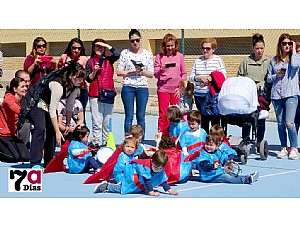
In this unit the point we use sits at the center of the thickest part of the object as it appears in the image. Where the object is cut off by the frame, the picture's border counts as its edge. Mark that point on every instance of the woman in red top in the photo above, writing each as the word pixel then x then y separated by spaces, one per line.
pixel 10 107
pixel 99 73
pixel 33 62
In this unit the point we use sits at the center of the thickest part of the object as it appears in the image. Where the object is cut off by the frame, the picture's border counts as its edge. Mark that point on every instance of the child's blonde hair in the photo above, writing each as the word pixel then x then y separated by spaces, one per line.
pixel 217 130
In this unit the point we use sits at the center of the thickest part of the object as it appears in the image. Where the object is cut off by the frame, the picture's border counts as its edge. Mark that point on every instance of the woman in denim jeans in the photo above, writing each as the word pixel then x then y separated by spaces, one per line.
pixel 135 66
pixel 283 74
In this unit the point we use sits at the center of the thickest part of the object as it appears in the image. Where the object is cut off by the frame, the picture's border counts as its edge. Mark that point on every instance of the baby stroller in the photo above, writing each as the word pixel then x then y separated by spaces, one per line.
pixel 237 104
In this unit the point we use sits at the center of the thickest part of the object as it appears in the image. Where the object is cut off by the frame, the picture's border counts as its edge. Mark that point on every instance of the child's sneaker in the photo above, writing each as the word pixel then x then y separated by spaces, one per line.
pixel 254 177
pixel 283 153
pixel 102 187
pixel 293 154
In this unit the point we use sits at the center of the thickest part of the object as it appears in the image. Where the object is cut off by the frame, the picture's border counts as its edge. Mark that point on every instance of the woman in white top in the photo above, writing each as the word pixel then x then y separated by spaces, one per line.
pixel 135 66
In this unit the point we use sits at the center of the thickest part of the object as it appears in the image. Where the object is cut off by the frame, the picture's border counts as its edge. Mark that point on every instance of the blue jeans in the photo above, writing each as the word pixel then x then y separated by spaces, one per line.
pixel 115 188
pixel 285 110
pixel 230 178
pixel 128 94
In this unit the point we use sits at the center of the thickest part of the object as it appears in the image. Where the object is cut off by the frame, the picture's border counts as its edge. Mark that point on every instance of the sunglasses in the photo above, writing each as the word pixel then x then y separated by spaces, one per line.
pixel 74 48
pixel 40 46
pixel 135 40
pixel 287 43
pixel 206 48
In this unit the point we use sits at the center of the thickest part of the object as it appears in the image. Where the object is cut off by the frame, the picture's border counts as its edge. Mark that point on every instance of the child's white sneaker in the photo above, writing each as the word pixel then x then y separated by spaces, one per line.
pixel 283 153
pixel 102 187
pixel 254 177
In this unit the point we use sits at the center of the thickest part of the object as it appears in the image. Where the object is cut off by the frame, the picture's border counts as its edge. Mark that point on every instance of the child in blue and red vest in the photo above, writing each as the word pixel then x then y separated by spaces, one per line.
pixel 141 175
pixel 193 139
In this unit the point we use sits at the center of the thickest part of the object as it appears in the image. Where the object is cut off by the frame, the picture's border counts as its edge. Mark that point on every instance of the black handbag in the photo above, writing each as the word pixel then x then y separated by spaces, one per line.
pixel 107 96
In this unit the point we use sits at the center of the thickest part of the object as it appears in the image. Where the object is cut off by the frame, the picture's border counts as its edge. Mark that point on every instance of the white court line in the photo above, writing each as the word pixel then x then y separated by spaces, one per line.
pixel 217 184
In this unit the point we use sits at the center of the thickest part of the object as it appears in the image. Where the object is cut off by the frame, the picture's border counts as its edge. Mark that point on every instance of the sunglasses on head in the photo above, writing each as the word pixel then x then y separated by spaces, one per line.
pixel 135 40
pixel 74 48
pixel 206 48
pixel 40 46
pixel 287 43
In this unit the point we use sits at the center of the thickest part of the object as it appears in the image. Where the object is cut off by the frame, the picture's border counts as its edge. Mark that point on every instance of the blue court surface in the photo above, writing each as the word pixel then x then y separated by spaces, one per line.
pixel 275 191
pixel 278 178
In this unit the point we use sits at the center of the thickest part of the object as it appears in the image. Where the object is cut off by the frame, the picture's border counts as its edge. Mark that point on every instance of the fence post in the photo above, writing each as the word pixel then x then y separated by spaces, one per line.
pixel 78 33
pixel 182 41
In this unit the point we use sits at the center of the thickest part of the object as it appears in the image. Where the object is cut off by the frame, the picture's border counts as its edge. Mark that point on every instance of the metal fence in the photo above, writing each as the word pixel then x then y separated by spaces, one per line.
pixel 233 46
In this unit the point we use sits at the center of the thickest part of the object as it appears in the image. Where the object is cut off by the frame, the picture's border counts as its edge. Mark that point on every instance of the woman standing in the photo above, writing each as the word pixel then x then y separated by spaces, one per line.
pixel 283 74
pixel 255 66
pixel 201 77
pixel 76 50
pixel 43 116
pixel 99 73
pixel 135 66
pixel 33 63
pixel 169 69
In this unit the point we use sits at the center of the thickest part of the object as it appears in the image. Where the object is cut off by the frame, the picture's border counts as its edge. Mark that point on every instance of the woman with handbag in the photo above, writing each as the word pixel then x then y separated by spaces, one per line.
pixel 102 92
pixel 202 78
pixel 135 66
pixel 11 148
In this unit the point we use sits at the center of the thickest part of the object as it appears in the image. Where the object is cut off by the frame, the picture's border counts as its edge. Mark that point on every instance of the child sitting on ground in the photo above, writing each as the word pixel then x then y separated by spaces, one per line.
pixel 141 176
pixel 80 159
pixel 192 140
pixel 225 146
pixel 210 165
pixel 128 148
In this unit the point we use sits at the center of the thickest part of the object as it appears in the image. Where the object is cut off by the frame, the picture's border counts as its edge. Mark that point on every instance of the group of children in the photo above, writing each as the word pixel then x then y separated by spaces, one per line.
pixel 186 150
pixel 188 147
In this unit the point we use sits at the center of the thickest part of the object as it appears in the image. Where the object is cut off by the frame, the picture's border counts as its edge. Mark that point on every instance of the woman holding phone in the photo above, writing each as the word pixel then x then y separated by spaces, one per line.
pixel 34 63
pixel 135 79
pixel 169 69
pixel 283 74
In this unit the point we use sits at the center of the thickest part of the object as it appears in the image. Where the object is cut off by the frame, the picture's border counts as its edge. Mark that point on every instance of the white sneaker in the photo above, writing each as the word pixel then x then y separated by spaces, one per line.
pixel 102 187
pixel 293 154
pixel 283 153
pixel 254 176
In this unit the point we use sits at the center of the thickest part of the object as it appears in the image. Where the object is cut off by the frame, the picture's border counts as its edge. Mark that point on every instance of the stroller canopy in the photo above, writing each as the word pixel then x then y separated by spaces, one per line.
pixel 238 95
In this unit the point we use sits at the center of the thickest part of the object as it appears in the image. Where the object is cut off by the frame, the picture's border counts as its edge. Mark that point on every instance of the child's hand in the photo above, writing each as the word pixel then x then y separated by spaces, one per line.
pixel 173 192
pixel 216 164
pixel 153 193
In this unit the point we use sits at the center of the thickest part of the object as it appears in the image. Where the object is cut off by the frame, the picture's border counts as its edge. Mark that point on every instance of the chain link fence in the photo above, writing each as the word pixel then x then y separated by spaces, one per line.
pixel 233 46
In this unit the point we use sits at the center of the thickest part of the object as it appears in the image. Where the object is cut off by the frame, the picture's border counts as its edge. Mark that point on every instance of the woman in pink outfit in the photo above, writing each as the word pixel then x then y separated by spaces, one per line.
pixel 169 69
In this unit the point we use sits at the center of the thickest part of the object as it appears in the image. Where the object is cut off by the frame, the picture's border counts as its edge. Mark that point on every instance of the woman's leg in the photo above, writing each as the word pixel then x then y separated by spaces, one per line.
pixel 163 104
pixel 141 104
pixel 50 142
pixel 106 110
pixel 280 116
pixel 127 95
pixel 204 119
pixel 97 119
pixel 37 120
pixel 291 104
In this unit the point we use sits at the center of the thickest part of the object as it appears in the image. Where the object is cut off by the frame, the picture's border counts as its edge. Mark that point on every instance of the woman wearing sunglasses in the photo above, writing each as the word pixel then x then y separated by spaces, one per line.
pixel 135 66
pixel 76 50
pixel 201 77
pixel 33 63
pixel 283 74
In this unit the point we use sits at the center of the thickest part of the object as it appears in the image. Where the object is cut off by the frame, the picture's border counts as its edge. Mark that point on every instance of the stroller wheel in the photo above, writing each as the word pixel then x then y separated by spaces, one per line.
pixel 243 159
pixel 264 150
